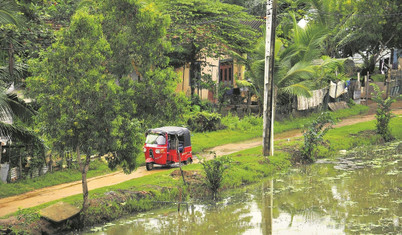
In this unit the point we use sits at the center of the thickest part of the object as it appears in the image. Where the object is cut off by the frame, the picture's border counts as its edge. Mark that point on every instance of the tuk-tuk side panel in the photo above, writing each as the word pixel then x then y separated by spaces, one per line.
pixel 187 153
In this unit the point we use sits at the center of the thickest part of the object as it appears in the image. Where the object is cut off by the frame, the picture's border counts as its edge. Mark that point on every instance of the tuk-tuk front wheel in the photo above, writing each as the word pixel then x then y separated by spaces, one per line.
pixel 149 166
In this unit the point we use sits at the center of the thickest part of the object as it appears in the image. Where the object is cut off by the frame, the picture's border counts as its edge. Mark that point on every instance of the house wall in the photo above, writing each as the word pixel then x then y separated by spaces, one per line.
pixel 212 68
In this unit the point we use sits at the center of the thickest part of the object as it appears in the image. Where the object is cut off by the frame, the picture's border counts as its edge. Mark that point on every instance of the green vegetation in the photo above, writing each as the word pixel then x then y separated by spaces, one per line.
pixel 383 113
pixel 314 135
pixel 214 171
pixel 204 121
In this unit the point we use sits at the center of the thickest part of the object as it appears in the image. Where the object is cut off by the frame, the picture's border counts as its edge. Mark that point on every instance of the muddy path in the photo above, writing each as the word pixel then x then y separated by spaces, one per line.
pixel 235 147
pixel 34 198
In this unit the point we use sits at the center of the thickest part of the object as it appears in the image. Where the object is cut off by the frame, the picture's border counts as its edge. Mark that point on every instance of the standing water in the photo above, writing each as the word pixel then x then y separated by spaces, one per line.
pixel 357 193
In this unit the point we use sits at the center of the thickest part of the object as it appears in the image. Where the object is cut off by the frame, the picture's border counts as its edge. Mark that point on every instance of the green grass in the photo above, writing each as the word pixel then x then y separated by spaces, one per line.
pixel 68 175
pixel 348 137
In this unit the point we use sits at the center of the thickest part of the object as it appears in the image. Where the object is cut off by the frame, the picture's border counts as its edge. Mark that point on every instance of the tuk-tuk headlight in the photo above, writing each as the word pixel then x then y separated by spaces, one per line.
pixel 144 149
pixel 157 151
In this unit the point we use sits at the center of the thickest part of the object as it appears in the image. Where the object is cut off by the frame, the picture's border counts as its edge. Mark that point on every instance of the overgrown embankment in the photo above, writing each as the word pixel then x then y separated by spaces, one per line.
pixel 164 187
pixel 237 130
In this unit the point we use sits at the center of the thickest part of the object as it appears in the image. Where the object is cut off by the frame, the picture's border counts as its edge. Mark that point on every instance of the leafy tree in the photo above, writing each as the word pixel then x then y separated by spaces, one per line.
pixel 79 102
pixel 136 33
pixel 157 102
pixel 202 28
pixel 366 27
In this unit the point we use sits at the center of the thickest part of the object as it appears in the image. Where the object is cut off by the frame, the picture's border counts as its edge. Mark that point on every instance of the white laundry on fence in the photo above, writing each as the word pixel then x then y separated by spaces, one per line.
pixel 317 98
pixel 337 89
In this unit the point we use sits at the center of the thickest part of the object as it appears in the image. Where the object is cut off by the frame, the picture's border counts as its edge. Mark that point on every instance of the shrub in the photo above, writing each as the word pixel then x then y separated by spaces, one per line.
pixel 197 104
pixel 383 113
pixel 378 77
pixel 214 171
pixel 245 124
pixel 313 135
pixel 204 121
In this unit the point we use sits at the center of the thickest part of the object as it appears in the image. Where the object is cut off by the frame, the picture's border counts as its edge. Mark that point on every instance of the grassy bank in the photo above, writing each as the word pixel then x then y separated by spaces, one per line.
pixel 58 177
pixel 248 167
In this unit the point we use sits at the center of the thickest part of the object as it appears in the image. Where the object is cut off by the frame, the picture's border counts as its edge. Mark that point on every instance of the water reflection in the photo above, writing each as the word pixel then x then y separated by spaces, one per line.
pixel 324 198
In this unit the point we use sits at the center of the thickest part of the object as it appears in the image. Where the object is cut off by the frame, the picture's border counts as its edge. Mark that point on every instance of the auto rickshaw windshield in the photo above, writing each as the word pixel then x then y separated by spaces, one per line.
pixel 155 139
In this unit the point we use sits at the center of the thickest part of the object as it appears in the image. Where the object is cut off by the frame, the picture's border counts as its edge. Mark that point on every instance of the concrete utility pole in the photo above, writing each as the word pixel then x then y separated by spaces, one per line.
pixel 269 104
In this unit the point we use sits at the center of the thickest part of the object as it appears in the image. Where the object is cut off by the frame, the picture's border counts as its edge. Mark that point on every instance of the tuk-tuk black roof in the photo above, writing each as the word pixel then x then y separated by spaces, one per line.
pixel 173 130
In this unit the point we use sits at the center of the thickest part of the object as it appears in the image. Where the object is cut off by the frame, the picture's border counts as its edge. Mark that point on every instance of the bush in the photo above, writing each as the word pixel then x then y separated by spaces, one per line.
pixel 198 105
pixel 204 121
pixel 383 113
pixel 214 171
pixel 313 135
pixel 246 123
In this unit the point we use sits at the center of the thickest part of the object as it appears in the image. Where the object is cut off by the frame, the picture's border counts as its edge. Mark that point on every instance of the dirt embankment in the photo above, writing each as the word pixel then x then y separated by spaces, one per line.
pixel 40 196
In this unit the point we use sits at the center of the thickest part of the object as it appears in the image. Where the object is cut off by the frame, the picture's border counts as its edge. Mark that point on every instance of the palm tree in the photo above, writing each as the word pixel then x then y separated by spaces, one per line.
pixel 8 12
pixel 14 112
pixel 296 65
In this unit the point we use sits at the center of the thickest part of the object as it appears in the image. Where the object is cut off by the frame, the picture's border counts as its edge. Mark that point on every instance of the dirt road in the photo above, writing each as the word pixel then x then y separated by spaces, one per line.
pixel 40 196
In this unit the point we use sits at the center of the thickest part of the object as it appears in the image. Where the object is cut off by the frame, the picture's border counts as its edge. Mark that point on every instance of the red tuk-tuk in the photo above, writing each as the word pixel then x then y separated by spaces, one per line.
pixel 166 146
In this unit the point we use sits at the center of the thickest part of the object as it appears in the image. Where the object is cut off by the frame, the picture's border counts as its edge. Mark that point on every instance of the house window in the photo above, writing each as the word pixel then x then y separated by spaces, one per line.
pixel 226 72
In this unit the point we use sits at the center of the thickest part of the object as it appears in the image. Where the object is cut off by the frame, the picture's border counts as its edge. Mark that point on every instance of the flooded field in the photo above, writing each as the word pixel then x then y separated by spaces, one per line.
pixel 360 192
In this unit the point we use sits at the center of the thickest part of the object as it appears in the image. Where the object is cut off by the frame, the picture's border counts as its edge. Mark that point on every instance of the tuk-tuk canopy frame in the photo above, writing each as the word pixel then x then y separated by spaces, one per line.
pixel 173 130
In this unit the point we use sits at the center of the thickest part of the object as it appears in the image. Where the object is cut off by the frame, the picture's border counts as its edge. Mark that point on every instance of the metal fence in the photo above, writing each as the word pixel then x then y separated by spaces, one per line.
pixel 395 83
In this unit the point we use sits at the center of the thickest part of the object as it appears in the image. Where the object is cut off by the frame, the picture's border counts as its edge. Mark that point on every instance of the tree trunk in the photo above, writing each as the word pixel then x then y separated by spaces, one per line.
pixel 84 166
pixel 51 162
pixel 85 192
pixel 20 165
pixel 248 102
pixel 79 158
pixel 11 61
pixel 192 78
